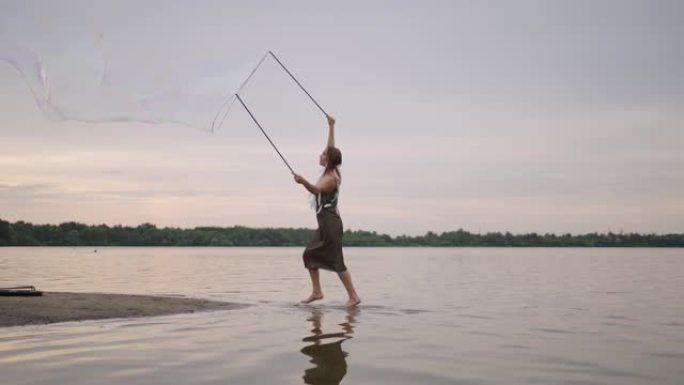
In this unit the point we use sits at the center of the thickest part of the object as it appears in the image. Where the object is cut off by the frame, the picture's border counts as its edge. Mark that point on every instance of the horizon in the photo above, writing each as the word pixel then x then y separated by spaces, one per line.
pixel 609 231
pixel 487 117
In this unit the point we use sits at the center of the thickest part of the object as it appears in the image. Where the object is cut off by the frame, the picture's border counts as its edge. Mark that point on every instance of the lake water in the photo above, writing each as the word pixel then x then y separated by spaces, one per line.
pixel 429 316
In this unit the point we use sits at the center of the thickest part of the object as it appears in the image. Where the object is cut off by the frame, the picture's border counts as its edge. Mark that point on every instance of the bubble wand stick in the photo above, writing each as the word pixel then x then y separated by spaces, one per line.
pixel 264 132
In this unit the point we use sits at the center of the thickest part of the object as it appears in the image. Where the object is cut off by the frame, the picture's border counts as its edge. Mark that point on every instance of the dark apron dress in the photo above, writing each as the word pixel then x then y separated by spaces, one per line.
pixel 324 250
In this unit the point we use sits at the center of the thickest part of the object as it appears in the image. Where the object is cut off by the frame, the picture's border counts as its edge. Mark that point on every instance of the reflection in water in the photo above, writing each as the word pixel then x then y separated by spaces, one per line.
pixel 327 356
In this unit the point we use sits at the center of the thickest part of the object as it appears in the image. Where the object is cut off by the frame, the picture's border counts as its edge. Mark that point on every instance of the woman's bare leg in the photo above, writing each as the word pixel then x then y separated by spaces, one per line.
pixel 346 279
pixel 316 293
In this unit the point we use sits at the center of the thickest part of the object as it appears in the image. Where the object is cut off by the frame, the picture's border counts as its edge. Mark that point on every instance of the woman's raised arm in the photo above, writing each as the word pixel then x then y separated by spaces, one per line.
pixel 331 131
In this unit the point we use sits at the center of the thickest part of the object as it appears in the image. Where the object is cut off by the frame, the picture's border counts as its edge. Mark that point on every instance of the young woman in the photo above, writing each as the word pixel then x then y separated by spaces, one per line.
pixel 324 250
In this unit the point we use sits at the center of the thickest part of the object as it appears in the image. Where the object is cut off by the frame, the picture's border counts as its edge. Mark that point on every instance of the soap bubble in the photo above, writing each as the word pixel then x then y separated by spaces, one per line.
pixel 74 73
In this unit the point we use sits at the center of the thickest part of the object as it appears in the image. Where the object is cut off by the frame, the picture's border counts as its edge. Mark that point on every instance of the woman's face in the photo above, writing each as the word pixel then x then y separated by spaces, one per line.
pixel 323 158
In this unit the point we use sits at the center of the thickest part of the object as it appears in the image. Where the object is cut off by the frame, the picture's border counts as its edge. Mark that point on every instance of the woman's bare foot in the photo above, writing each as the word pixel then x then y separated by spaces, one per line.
pixel 353 302
pixel 313 297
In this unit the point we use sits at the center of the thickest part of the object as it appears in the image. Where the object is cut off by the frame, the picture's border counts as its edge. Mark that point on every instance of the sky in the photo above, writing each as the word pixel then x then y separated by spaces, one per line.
pixel 525 116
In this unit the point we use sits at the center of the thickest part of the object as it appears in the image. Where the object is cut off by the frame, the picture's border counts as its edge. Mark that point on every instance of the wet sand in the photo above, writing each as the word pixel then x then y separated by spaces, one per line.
pixel 60 307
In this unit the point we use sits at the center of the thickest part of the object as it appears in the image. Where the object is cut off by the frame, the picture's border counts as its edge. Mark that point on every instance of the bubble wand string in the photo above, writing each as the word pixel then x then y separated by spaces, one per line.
pixel 230 101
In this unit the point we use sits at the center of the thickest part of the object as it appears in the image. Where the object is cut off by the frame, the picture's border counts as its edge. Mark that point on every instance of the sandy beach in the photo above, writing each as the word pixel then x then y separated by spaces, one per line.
pixel 60 307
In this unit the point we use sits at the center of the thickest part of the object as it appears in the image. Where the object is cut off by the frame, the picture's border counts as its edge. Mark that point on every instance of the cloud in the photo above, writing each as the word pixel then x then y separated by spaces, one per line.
pixel 559 117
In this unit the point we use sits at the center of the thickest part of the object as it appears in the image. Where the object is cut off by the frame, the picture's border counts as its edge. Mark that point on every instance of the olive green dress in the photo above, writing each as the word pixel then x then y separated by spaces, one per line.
pixel 324 250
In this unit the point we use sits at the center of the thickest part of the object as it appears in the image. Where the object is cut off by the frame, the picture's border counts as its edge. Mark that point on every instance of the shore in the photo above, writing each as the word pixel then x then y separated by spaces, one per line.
pixel 54 307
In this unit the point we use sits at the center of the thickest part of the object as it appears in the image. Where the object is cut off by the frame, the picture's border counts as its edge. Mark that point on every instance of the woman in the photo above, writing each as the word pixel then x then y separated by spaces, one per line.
pixel 324 250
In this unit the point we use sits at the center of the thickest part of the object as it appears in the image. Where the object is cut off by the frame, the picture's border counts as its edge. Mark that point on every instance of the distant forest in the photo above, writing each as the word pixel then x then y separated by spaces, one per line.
pixel 78 234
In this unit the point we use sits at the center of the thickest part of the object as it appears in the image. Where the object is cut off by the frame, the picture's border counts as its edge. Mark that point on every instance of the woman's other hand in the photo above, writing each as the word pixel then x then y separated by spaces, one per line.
pixel 331 120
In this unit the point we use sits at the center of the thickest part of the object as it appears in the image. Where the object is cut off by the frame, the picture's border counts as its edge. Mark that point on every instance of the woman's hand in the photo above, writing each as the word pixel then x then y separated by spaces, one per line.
pixel 299 179
pixel 331 120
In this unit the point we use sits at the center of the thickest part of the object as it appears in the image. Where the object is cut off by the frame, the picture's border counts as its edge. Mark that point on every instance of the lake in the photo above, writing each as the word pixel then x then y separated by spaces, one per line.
pixel 429 316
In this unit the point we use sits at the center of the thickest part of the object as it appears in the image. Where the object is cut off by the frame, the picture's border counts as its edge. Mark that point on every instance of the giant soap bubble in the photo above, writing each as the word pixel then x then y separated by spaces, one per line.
pixel 77 73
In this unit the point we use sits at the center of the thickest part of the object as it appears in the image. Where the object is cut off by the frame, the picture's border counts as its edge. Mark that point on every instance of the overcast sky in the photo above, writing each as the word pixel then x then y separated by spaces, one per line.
pixel 546 116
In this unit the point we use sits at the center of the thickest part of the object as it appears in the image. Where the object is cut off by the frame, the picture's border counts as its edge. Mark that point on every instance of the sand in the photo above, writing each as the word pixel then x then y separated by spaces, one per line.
pixel 60 307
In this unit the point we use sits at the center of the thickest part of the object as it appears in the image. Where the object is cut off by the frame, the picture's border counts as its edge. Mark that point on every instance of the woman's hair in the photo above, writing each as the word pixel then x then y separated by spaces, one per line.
pixel 333 162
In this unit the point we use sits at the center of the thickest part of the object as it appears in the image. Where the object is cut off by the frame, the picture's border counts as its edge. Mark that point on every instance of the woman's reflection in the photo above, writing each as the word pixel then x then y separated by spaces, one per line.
pixel 327 356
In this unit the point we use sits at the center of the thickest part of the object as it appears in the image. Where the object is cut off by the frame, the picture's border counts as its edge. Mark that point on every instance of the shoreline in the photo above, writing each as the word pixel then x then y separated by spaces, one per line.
pixel 53 307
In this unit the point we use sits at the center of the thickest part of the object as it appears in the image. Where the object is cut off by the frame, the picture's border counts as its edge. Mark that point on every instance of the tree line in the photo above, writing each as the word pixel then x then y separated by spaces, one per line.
pixel 77 234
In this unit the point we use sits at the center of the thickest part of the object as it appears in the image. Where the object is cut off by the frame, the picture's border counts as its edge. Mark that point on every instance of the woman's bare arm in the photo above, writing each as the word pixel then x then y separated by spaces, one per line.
pixel 326 183
pixel 331 131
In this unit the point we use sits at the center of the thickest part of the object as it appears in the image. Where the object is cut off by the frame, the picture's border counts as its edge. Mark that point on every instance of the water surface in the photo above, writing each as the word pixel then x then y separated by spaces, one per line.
pixel 429 316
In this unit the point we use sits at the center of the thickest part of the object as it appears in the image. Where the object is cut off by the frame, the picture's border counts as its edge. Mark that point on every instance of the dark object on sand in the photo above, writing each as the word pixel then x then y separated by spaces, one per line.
pixel 20 291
